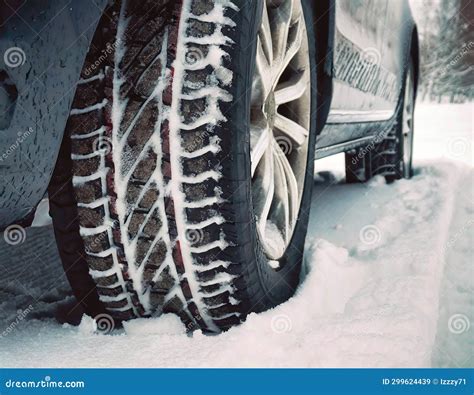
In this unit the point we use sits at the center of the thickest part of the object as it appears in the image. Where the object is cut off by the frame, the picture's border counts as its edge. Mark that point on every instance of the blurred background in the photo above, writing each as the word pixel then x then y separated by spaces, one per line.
pixel 446 29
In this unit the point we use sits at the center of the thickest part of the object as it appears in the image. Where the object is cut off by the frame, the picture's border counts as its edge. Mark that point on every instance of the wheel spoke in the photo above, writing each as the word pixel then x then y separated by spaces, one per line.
pixel 291 129
pixel 292 89
pixel 280 20
pixel 295 41
pixel 265 194
pixel 259 144
pixel 281 211
pixel 291 187
pixel 292 184
pixel 262 82
pixel 265 35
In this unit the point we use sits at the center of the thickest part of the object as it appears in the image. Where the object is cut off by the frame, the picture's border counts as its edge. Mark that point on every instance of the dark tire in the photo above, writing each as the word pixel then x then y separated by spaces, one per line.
pixel 391 153
pixel 63 211
pixel 163 184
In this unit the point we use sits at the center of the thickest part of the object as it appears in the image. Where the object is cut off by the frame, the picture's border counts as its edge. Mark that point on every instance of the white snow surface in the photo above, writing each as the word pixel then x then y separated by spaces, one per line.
pixel 388 281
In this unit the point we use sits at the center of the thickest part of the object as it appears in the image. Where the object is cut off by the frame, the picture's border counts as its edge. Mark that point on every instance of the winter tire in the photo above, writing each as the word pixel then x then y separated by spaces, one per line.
pixel 390 154
pixel 192 142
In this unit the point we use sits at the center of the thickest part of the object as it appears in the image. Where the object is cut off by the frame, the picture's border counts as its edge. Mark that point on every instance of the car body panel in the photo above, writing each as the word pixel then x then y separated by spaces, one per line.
pixel 358 40
pixel 50 40
pixel 367 74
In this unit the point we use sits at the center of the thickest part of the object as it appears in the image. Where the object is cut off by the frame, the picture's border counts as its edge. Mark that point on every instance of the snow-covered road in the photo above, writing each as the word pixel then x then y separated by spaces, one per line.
pixel 389 281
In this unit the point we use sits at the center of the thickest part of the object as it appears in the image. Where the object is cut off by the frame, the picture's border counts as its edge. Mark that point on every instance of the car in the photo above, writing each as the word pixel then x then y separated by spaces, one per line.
pixel 176 140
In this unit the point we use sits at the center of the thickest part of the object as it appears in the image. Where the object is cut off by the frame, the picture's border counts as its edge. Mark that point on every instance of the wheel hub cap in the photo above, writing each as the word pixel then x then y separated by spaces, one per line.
pixel 269 110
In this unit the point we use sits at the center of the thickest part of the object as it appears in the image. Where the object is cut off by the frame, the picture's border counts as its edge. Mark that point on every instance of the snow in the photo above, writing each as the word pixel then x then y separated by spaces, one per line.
pixel 387 282
pixel 274 239
pixel 42 217
pixel 78 111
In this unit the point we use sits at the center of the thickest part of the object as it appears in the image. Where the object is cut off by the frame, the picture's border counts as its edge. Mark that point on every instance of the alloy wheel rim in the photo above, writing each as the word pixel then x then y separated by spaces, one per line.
pixel 280 123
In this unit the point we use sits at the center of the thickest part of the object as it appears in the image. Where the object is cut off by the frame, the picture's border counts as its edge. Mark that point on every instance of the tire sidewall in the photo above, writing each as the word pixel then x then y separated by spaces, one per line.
pixel 271 287
pixel 408 74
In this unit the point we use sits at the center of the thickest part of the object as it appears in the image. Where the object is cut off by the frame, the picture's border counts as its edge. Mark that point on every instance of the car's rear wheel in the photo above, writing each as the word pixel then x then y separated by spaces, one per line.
pixel 193 150
pixel 391 153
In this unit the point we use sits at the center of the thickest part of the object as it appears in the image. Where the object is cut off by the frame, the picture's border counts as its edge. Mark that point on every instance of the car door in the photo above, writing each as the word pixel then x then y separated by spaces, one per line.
pixel 359 38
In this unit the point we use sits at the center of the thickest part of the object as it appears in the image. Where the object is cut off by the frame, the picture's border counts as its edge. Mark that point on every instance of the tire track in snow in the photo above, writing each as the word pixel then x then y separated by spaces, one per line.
pixel 455 336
